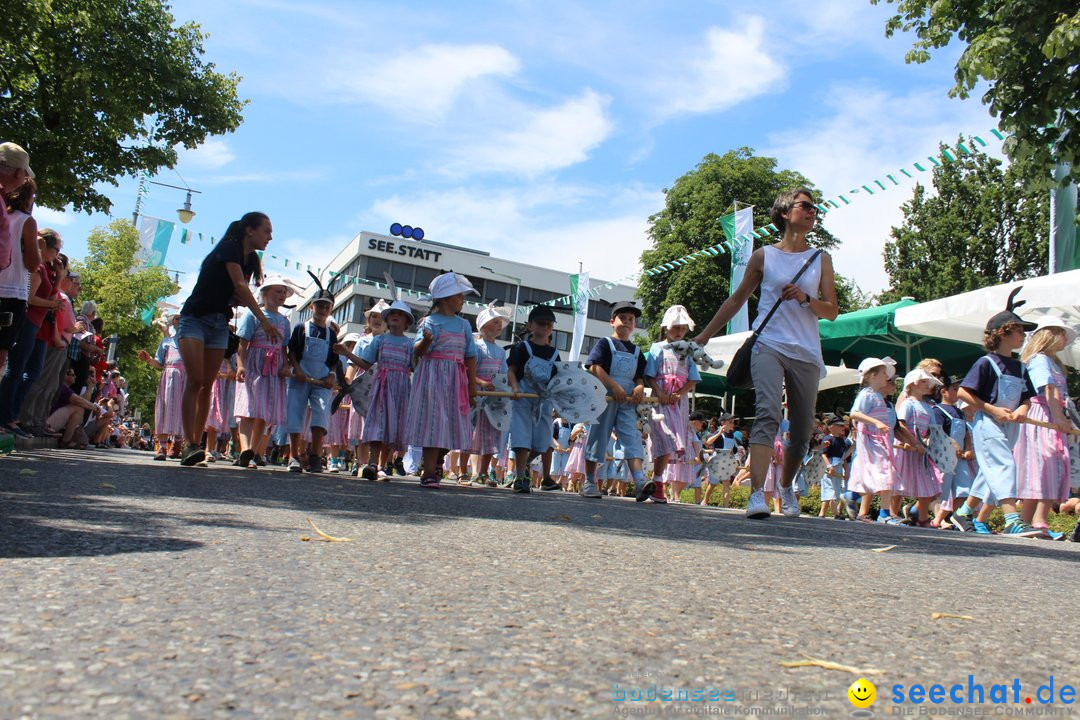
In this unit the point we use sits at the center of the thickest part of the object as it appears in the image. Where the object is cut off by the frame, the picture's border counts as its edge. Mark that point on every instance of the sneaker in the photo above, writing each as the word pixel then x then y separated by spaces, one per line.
pixel 314 464
pixel 549 484
pixel 430 482
pixel 1075 535
pixel 332 466
pixel 369 473
pixel 491 482
pixel 521 485
pixel 789 504
pixel 508 481
pixel 756 509
pixel 193 454
pixel 659 497
pixel 893 520
pixel 589 490
pixel 381 476
pixel 258 460
pixel 294 465
pixel 399 467
pixel 1052 534
pixel 1022 529
pixel 981 528
pixel 160 457
pixel 17 431
pixel 963 523
pixel 647 488
pixel 465 480
pixel 865 519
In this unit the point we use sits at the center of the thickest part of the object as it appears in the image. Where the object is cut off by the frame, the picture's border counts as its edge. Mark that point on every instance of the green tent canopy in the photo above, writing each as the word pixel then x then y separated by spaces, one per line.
pixel 872 332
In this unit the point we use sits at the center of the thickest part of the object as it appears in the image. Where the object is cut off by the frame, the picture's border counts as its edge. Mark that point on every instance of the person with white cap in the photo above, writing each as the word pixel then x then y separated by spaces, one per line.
pixel 490 360
pixel 168 420
pixel 1042 454
pixel 261 398
pixel 384 430
pixel 915 477
pixel 999 389
pixel 672 379
pixel 872 469
pixel 444 381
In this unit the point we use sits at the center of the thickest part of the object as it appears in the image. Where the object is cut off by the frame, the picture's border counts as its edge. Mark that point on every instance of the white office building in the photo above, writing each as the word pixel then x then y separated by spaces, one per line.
pixel 414 264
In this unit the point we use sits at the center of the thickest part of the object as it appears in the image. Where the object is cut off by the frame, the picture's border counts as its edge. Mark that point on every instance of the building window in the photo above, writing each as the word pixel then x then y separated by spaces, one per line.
pixel 423 277
pixel 375 269
pixel 402 274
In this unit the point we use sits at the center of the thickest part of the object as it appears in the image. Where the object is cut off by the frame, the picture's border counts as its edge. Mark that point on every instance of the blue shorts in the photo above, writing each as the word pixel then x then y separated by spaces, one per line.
pixel 558 463
pixel 831 487
pixel 211 330
pixel 622 417
pixel 303 395
pixel 525 430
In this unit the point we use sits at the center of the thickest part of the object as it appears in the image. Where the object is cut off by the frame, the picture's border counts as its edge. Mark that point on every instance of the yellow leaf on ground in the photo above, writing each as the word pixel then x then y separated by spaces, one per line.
pixel 829 665
pixel 941 616
pixel 324 536
pixel 887 548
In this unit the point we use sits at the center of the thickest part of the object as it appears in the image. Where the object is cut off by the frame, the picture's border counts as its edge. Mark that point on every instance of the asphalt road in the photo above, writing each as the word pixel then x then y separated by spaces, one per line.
pixel 134 589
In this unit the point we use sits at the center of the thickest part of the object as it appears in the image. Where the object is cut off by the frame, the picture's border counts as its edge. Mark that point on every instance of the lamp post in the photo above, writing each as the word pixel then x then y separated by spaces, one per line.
pixel 185 213
pixel 517 296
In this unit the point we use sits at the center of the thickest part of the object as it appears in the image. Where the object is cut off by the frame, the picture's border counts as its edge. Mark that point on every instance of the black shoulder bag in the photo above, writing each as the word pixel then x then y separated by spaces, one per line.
pixel 738 374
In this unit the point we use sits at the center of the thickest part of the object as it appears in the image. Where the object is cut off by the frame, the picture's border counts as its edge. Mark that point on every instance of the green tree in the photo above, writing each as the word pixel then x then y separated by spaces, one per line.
pixel 98 89
pixel 1026 51
pixel 981 226
pixel 690 221
pixel 111 278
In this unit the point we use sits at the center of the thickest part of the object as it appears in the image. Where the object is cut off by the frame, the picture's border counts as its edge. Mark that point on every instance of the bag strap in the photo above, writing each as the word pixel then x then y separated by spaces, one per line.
pixel 776 305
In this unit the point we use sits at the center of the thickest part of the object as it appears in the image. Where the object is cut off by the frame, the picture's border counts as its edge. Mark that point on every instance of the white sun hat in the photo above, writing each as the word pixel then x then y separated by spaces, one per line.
pixel 400 306
pixel 450 284
pixel 1056 321
pixel 919 374
pixel 677 315
pixel 493 313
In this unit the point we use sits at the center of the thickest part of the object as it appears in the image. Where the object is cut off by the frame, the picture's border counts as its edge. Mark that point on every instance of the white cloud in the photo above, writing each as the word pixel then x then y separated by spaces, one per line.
pixel 47 217
pixel 869 134
pixel 548 225
pixel 549 140
pixel 421 82
pixel 734 66
pixel 211 155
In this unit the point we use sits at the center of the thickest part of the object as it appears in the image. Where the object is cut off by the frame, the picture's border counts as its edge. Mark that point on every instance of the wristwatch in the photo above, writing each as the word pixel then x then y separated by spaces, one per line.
pixel 805 303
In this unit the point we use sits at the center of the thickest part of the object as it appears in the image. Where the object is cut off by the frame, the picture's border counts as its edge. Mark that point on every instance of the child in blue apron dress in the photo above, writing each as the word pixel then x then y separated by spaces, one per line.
pixel 620 366
pixel 311 356
pixel 530 367
pixel 955 485
pixel 997 386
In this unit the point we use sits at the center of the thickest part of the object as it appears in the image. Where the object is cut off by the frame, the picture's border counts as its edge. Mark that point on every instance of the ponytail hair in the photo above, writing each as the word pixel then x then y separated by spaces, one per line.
pixel 238 228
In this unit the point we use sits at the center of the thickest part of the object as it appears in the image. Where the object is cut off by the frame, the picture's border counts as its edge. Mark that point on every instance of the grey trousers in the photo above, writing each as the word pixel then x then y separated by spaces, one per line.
pixel 35 409
pixel 772 372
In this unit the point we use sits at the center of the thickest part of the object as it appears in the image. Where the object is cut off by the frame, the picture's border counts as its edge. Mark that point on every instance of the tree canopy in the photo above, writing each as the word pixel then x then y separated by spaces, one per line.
pixel 111 278
pixel 981 226
pixel 689 221
pixel 1026 51
pixel 99 89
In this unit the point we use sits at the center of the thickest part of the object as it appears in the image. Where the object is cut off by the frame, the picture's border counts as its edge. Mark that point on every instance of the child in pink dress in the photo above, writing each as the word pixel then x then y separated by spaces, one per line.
pixel 916 475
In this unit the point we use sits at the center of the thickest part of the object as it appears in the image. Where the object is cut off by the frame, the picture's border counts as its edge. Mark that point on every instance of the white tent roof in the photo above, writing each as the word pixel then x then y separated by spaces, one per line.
pixel 724 348
pixel 963 317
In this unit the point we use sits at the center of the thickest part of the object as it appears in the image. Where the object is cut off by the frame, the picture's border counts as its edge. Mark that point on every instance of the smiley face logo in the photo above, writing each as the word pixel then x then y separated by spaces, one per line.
pixel 862 693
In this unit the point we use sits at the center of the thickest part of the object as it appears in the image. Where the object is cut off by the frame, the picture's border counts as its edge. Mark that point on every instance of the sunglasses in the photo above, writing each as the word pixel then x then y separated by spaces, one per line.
pixel 805 206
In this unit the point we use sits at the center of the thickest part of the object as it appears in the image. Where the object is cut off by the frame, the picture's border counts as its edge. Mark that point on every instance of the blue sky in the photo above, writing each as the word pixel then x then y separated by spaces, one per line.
pixel 541 131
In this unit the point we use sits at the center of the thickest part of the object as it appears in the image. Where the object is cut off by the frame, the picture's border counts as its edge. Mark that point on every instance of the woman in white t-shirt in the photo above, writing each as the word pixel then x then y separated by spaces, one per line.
pixel 787 356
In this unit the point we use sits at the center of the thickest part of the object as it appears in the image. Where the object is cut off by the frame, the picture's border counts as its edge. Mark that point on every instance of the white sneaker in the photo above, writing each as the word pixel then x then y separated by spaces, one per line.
pixel 756 509
pixel 334 465
pixel 294 465
pixel 589 490
pixel 789 504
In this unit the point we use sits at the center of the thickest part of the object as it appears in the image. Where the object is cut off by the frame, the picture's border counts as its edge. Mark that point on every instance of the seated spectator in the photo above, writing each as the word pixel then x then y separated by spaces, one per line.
pixel 67 412
pixel 100 429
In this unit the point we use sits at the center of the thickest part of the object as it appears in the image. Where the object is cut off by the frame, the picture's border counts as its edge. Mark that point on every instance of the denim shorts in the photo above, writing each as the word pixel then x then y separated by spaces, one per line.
pixel 212 330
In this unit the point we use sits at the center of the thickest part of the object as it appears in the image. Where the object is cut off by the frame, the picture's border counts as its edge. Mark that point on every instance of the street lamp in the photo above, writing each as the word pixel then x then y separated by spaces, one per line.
pixel 185 213
pixel 517 296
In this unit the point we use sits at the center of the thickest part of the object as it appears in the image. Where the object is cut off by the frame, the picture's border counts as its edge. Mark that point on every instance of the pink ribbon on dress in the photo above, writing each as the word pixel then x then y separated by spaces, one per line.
pixel 463 378
pixel 272 363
